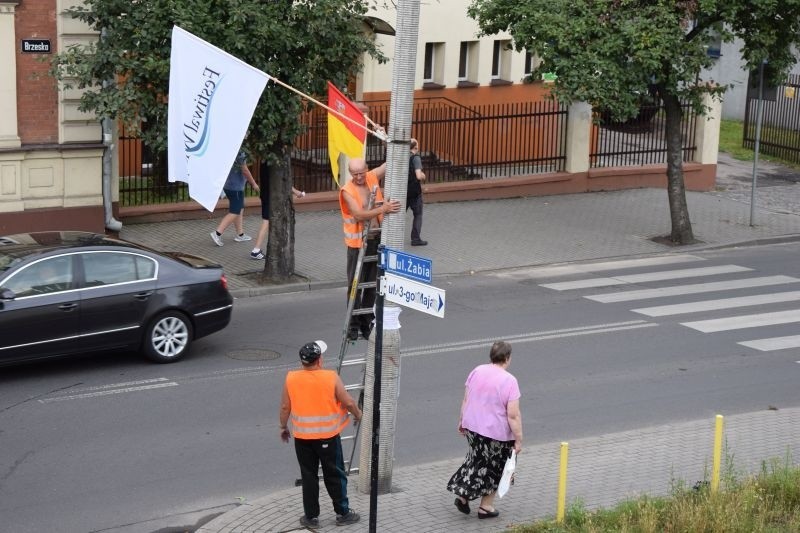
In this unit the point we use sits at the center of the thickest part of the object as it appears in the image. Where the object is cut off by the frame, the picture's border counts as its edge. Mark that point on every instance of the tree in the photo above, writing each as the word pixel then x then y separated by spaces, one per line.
pixel 303 43
pixel 610 52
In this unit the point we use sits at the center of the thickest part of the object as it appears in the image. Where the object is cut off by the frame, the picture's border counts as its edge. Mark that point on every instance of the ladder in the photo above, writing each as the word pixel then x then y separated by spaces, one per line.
pixel 355 368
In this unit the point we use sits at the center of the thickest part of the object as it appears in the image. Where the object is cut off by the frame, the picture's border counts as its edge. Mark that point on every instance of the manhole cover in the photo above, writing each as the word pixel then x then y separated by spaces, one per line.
pixel 254 355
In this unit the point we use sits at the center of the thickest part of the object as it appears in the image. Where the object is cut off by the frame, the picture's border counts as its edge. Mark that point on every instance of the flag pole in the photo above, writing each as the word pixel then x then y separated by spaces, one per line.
pixel 379 135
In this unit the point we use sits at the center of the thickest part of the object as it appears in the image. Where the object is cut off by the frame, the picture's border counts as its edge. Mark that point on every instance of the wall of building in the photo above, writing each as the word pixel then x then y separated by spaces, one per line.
pixel 50 153
pixel 481 87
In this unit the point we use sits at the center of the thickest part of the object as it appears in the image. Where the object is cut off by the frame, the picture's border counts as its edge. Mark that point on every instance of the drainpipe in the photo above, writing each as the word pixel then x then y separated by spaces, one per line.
pixel 111 223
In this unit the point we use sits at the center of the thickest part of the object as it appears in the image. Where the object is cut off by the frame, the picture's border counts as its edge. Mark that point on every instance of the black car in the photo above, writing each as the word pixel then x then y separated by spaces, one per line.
pixel 75 292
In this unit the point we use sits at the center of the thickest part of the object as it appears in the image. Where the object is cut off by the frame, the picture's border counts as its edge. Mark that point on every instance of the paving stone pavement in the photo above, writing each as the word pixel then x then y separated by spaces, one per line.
pixel 519 232
pixel 603 471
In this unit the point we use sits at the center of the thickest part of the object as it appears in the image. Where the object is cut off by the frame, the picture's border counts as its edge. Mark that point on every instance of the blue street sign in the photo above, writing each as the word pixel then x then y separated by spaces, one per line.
pixel 407 265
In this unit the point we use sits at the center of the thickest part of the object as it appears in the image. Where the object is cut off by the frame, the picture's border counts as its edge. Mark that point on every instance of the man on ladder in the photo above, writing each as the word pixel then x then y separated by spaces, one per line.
pixel 354 201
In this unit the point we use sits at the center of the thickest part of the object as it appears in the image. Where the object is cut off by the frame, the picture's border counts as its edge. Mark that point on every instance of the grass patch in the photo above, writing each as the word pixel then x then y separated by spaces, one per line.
pixel 768 502
pixel 731 133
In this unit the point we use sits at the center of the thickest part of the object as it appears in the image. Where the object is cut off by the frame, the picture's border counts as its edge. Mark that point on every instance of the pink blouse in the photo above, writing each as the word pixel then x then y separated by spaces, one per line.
pixel 489 389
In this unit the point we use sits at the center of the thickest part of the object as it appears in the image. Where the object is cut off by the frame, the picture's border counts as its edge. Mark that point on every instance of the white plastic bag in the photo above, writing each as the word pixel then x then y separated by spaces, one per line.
pixel 508 473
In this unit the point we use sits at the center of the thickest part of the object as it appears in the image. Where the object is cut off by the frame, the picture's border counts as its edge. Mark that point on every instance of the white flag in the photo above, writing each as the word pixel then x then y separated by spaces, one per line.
pixel 212 97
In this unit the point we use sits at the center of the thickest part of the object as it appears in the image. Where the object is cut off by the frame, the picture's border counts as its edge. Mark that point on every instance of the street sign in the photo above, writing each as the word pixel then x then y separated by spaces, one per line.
pixel 407 265
pixel 409 293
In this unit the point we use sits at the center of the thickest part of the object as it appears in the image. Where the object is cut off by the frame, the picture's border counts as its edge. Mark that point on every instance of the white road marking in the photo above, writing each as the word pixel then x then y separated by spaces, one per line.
pixel 109 392
pixel 676 290
pixel 723 303
pixel 745 321
pixel 527 337
pixel 775 343
pixel 555 271
pixel 643 278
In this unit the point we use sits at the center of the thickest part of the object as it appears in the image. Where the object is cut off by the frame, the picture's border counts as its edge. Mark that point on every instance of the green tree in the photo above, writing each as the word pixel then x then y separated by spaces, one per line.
pixel 609 52
pixel 303 43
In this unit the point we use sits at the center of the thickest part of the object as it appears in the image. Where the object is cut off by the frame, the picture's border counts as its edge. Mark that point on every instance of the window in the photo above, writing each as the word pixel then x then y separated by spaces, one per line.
pixel 468 64
pixel 528 62
pixel 108 268
pixel 433 68
pixel 501 61
pixel 43 277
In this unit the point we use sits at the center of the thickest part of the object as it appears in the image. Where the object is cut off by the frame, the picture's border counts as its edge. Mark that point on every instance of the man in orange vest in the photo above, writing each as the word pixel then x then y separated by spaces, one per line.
pixel 318 404
pixel 354 203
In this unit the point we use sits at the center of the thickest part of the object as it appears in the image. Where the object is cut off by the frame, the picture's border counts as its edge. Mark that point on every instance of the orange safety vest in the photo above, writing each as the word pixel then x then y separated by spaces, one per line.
pixel 316 414
pixel 353 228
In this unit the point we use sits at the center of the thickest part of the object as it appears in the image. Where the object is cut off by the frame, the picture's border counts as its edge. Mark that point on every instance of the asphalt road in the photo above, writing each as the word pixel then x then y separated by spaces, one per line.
pixel 112 443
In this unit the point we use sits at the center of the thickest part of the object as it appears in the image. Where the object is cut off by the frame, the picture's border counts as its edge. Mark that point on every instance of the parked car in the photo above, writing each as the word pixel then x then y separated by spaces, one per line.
pixel 74 292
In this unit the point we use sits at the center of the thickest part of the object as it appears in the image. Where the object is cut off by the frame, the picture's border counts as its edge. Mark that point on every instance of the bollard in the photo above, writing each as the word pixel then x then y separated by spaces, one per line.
pixel 562 483
pixel 717 453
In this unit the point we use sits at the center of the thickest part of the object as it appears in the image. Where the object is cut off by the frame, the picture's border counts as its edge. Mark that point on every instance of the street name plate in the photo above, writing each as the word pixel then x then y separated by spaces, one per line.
pixel 407 265
pixel 410 293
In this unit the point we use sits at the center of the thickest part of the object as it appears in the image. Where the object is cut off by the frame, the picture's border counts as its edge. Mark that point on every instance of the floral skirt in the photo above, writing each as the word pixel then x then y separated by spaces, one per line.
pixel 482 468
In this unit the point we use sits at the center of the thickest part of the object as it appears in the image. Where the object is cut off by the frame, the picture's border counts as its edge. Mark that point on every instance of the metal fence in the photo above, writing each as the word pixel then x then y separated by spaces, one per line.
pixel 456 142
pixel 780 130
pixel 640 140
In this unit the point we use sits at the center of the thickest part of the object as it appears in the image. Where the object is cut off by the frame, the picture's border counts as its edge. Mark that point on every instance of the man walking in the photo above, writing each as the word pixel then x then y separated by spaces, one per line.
pixel 318 404
pixel 354 203
pixel 414 193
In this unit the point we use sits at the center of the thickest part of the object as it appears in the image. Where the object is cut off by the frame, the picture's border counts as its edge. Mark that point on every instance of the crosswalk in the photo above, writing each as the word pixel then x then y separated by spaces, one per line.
pixel 729 288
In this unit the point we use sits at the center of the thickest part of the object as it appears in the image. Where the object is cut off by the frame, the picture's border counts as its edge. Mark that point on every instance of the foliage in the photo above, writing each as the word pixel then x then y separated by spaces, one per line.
pixel 765 503
pixel 608 52
pixel 612 53
pixel 303 43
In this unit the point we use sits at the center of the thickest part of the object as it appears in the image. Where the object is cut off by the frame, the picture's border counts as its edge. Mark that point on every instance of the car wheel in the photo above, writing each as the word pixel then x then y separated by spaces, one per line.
pixel 168 337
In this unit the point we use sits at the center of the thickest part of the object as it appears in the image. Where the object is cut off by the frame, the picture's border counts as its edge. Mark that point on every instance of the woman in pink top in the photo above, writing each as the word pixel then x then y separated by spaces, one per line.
pixel 492 423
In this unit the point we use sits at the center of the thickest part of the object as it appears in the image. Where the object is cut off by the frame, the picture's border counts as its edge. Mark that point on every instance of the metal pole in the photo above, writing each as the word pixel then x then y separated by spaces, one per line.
pixel 376 405
pixel 759 117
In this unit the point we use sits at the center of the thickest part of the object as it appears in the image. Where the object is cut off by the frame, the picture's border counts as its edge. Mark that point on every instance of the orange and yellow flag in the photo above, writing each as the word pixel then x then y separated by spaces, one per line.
pixel 344 137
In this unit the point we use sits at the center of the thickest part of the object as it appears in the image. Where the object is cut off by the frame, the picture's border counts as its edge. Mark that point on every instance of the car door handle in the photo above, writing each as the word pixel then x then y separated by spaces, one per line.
pixel 68 307
pixel 142 295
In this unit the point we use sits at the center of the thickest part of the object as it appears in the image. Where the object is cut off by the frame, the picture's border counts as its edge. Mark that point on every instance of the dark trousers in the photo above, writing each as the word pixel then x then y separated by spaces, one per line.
pixel 365 297
pixel 415 204
pixel 312 452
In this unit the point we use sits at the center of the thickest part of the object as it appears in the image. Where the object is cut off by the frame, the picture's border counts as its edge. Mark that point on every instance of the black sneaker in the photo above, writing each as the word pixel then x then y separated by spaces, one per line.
pixel 310 523
pixel 346 519
pixel 419 243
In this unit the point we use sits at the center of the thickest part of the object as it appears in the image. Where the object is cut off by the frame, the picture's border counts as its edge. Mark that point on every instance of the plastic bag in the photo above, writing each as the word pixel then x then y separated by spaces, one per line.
pixel 508 474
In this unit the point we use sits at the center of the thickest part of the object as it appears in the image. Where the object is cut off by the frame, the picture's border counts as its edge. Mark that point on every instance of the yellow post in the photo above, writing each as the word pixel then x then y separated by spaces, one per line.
pixel 717 453
pixel 562 482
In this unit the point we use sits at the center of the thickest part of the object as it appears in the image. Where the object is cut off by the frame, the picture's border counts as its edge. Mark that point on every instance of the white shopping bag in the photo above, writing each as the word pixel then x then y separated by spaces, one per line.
pixel 508 473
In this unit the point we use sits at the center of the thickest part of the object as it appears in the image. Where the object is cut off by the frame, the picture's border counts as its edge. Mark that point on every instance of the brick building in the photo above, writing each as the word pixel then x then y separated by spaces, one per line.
pixel 50 153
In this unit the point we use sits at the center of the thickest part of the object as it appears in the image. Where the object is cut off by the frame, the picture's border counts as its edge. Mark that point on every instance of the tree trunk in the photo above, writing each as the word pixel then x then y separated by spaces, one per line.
pixel 676 191
pixel 279 265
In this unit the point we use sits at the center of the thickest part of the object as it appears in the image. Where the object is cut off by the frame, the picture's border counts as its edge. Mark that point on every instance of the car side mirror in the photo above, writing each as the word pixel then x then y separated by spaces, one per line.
pixel 7 294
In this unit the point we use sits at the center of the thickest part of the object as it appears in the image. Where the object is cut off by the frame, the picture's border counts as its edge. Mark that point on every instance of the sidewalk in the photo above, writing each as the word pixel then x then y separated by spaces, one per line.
pixel 474 236
pixel 602 471
pixel 485 235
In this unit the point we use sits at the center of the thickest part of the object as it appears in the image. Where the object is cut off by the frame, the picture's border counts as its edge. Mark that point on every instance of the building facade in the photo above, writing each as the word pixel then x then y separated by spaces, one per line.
pixel 453 62
pixel 50 152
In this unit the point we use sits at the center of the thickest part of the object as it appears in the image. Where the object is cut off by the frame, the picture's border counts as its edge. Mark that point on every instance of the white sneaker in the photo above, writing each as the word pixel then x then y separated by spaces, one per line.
pixel 243 237
pixel 216 238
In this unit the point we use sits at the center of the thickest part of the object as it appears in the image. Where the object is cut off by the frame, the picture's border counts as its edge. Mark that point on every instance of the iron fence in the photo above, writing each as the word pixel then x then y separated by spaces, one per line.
pixel 640 140
pixel 457 143
pixel 780 130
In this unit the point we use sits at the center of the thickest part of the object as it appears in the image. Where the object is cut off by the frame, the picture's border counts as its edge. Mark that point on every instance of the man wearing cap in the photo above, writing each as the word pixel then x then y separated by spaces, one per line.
pixel 317 402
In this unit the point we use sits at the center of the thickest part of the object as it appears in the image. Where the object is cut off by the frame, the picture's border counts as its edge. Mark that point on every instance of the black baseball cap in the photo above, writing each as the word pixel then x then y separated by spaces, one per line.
pixel 312 351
